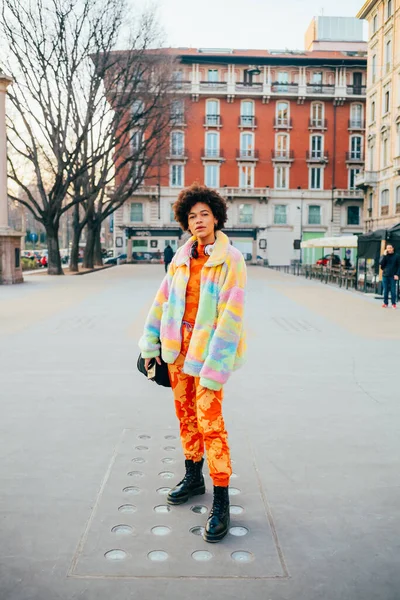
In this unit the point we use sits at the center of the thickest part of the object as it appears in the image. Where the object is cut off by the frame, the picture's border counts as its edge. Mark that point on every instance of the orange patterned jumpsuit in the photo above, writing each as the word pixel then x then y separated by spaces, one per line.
pixel 199 409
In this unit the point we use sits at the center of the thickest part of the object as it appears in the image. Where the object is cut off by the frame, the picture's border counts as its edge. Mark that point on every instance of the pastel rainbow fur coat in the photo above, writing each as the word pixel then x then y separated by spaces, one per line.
pixel 218 342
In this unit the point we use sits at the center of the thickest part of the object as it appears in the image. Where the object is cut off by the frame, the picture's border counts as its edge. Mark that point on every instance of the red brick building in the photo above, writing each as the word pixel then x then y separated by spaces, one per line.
pixel 280 134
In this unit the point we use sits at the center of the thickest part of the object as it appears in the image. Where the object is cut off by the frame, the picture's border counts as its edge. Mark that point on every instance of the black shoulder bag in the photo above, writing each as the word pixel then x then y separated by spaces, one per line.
pixel 161 375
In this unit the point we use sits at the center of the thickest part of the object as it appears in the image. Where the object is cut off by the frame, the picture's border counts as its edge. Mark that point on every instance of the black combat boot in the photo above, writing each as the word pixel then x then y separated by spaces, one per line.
pixel 191 485
pixel 218 521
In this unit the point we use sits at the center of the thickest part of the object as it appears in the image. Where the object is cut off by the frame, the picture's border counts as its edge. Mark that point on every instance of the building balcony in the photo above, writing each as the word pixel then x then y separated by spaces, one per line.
pixel 262 194
pixel 317 156
pixel 213 121
pixel 356 90
pixel 214 86
pixel 184 86
pixel 283 123
pixel 348 194
pixel 356 124
pixel 249 154
pixel 355 157
pixel 396 164
pixel 177 154
pixel 366 179
pixel 247 86
pixel 319 124
pixel 212 154
pixel 320 89
pixel 247 121
pixel 282 155
pixel 284 88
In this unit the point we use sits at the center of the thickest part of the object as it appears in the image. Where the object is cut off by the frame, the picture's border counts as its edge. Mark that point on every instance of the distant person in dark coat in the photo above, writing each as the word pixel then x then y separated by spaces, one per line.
pixel 168 255
pixel 390 265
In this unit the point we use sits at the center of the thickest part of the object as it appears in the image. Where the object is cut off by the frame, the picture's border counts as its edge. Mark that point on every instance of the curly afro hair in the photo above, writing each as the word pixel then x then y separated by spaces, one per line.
pixel 199 193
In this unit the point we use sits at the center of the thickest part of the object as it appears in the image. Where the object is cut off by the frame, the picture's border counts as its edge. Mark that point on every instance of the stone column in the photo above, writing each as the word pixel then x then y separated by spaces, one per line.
pixel 10 241
pixel 129 248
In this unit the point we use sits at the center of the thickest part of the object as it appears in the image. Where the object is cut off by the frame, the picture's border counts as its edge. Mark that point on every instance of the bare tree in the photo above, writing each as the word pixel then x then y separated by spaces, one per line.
pixel 61 57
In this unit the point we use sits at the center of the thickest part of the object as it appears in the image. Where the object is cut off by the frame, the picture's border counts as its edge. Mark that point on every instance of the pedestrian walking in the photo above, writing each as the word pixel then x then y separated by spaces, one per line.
pixel 196 324
pixel 390 265
pixel 168 256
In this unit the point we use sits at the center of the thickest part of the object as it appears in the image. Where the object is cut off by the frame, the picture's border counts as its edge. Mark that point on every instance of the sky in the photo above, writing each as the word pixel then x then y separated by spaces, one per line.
pixel 251 24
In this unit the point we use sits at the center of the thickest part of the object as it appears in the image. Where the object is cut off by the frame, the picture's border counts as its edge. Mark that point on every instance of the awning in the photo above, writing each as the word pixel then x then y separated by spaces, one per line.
pixel 344 241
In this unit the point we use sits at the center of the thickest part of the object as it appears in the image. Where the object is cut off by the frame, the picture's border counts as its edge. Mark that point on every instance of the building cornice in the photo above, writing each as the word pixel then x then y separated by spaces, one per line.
pixel 345 61
pixel 369 5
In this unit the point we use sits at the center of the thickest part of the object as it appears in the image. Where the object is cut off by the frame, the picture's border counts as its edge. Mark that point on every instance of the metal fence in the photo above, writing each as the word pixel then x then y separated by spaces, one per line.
pixel 336 275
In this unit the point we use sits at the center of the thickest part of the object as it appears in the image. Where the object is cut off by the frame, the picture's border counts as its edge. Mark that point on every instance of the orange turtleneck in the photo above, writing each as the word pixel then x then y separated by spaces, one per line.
pixel 193 286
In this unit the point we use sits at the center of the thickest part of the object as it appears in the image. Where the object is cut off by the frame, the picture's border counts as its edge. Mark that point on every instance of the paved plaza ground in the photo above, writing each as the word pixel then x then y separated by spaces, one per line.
pixel 87 445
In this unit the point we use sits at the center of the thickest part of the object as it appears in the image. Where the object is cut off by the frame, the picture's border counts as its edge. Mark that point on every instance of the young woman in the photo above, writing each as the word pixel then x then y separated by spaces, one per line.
pixel 196 324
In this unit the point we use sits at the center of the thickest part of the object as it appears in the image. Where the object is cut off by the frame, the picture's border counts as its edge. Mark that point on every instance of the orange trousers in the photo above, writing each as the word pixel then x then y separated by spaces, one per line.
pixel 199 411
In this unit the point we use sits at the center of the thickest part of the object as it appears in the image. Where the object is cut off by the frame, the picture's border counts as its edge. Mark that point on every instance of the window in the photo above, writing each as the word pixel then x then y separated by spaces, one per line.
pixel 385 151
pixel 389 9
pixel 140 243
pixel 212 112
pixel 317 113
pixel 212 144
pixel 282 178
pixel 177 111
pixel 177 144
pixel 177 78
pixel 356 114
pixel 245 214
pixel 211 176
pixel 352 178
pixel 137 140
pixel 280 214
pixel 353 215
pixel 316 178
pixel 314 215
pixel 137 212
pixel 282 145
pixel 282 113
pixel 384 202
pixel 247 113
pixel 246 176
pixel 176 176
pixel 212 75
pixel 387 102
pixel 356 147
pixel 317 78
pixel 375 24
pixel 373 108
pixel 138 109
pixel 171 213
pixel 283 81
pixel 370 202
pixel 247 145
pixel 317 146
pixel 388 56
pixel 371 162
pixel 398 199
pixel 373 69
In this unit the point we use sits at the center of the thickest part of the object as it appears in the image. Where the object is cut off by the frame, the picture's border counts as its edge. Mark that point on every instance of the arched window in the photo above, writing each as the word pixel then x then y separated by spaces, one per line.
pixel 212 113
pixel 247 113
pixel 282 113
pixel 212 144
pixel 356 116
pixel 384 202
pixel 247 145
pixel 317 114
pixel 317 146
pixel 282 145
pixel 177 143
pixel 356 147
pixel 398 199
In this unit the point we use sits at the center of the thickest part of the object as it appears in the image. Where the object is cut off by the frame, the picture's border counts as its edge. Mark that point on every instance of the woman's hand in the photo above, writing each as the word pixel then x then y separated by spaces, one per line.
pixel 148 360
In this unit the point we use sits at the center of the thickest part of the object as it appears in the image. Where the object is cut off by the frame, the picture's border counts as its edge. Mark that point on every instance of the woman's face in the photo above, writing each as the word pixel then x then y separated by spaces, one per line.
pixel 202 223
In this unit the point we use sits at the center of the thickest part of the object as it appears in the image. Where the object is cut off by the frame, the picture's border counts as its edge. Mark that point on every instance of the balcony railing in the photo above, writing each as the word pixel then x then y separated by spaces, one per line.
pixel 218 86
pixel 247 192
pixel 356 90
pixel 319 88
pixel 348 193
pixel 283 122
pixel 366 178
pixel 355 156
pixel 284 88
pixel 282 155
pixel 181 85
pixel 318 124
pixel 248 86
pixel 213 121
pixel 356 124
pixel 247 121
pixel 247 154
pixel 177 153
pixel 212 153
pixel 319 156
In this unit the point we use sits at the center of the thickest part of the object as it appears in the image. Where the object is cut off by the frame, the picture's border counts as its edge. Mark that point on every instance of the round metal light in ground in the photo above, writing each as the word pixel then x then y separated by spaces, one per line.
pixel 197 530
pixel 122 530
pixel 236 510
pixel 170 437
pixel 115 555
pixel 144 437
pixel 138 460
pixel 162 508
pixel 242 556
pixel 238 531
pixel 163 491
pixel 161 530
pixel 135 474
pixel 157 555
pixel 141 448
pixel 127 508
pixel 198 509
pixel 168 461
pixel 134 491
pixel 166 474
pixel 234 491
pixel 169 448
pixel 202 555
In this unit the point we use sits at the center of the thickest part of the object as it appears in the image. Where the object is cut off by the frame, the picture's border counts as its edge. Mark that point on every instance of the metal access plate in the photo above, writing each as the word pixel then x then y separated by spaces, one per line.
pixel 133 533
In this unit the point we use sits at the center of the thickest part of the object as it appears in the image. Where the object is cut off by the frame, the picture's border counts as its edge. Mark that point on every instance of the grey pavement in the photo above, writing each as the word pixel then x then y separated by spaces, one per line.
pixel 313 419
